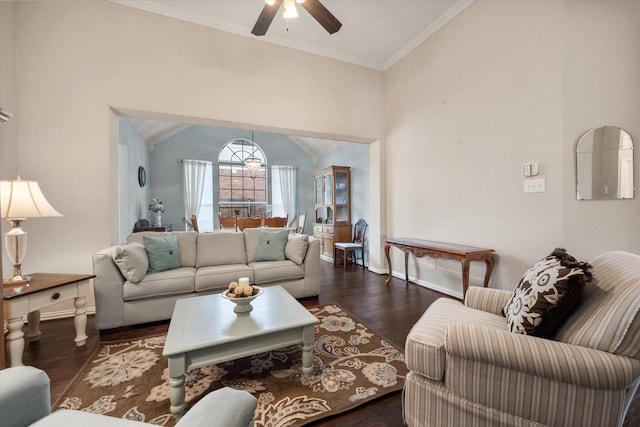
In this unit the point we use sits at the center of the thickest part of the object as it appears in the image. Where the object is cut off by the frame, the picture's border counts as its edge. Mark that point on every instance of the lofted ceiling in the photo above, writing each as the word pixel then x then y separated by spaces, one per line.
pixel 375 34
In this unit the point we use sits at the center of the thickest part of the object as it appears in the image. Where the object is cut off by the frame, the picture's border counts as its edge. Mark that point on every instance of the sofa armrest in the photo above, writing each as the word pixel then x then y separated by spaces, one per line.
pixel 311 266
pixel 108 290
pixel 487 299
pixel 553 360
pixel 224 407
pixel 24 396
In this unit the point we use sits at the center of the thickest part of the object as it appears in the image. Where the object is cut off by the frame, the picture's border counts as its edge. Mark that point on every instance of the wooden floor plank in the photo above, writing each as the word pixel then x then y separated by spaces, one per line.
pixel 390 310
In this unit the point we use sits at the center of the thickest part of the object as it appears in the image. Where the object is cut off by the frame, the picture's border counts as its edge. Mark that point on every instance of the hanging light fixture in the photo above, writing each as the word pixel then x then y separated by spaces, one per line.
pixel 290 10
pixel 252 163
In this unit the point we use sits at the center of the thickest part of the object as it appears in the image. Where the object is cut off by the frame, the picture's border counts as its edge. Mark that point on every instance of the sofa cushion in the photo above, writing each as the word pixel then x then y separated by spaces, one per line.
pixel 271 245
pixel 170 282
pixel 220 248
pixel 132 261
pixel 276 271
pixel 296 247
pixel 186 243
pixel 424 347
pixel 162 252
pixel 218 276
pixel 251 239
pixel 546 294
pixel 608 317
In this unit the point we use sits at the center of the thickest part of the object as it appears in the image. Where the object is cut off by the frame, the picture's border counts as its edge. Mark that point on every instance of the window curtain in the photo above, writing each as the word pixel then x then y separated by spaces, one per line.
pixel 194 176
pixel 288 188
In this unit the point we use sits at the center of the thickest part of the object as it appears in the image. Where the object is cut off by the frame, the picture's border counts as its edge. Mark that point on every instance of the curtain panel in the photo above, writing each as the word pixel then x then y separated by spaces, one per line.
pixel 194 176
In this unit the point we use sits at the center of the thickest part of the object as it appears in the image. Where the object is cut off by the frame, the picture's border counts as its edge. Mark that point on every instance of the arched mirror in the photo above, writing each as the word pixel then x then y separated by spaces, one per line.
pixel 604 164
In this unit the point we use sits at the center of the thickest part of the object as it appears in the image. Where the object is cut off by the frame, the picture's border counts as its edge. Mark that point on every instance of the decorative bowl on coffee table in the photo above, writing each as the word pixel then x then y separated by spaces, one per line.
pixel 243 304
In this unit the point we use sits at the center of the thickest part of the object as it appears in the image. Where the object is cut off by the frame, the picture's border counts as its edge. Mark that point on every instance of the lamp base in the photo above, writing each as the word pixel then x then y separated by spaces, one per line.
pixel 20 279
pixel 15 241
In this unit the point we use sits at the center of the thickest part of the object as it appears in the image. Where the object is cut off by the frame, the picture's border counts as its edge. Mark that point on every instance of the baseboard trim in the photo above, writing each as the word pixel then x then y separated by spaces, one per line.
pixel 54 315
pixel 430 285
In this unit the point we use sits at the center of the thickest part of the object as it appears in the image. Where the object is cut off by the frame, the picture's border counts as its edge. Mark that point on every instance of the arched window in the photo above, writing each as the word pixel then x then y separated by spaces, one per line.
pixel 242 192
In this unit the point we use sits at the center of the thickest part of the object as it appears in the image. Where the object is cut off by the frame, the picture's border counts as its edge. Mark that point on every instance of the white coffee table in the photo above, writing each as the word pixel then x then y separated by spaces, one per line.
pixel 205 330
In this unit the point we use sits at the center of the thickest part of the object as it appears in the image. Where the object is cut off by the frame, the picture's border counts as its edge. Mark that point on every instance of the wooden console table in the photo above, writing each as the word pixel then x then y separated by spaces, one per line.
pixel 44 290
pixel 422 248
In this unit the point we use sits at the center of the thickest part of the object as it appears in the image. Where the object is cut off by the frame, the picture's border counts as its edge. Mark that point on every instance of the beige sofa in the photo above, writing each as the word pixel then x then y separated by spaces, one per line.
pixel 208 262
pixel 466 368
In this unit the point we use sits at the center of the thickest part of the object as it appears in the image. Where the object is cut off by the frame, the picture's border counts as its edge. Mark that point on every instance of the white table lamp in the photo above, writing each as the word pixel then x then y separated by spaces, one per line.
pixel 20 200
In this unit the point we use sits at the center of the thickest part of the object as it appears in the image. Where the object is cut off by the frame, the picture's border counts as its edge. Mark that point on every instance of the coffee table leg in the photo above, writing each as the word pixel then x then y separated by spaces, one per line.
pixel 176 385
pixel 307 350
pixel 177 395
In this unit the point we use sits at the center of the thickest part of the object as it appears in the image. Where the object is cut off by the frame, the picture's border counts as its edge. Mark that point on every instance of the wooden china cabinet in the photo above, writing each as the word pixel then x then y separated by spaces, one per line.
pixel 332 187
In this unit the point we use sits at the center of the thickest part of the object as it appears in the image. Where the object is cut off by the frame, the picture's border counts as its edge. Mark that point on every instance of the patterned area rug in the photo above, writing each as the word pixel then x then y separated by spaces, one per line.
pixel 352 365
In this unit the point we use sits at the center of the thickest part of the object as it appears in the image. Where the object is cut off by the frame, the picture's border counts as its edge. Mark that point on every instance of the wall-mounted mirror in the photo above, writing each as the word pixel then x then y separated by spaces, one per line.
pixel 604 164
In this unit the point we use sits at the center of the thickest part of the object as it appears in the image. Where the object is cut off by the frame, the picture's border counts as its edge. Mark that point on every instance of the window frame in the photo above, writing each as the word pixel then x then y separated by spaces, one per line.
pixel 234 178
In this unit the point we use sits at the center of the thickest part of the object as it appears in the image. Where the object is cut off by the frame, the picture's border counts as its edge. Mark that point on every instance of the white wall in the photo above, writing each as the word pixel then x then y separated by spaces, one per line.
pixel 504 83
pixel 600 86
pixel 75 60
pixel 507 83
pixel 133 200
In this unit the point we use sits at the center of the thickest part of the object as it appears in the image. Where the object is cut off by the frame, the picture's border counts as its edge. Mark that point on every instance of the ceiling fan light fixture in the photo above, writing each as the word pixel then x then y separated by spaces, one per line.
pixel 290 10
pixel 270 2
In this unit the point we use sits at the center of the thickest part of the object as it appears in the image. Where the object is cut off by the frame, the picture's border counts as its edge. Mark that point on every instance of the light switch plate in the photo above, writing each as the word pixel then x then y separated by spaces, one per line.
pixel 535 186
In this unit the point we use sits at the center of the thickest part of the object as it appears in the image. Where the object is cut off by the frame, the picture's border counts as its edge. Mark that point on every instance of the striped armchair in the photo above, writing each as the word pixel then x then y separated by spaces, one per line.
pixel 467 369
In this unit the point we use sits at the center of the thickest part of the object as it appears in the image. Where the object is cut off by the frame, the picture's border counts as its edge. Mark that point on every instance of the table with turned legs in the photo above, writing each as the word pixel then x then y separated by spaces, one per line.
pixel 43 290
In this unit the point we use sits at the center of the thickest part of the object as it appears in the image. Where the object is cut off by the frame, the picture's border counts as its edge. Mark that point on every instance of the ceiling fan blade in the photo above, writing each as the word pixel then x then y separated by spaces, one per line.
pixel 265 18
pixel 322 15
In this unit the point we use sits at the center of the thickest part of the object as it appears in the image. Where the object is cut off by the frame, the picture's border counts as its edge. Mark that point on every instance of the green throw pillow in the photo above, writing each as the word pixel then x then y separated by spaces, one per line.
pixel 271 245
pixel 162 252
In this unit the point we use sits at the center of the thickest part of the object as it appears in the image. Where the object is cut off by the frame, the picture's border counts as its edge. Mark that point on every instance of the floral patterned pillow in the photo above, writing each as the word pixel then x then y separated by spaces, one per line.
pixel 546 294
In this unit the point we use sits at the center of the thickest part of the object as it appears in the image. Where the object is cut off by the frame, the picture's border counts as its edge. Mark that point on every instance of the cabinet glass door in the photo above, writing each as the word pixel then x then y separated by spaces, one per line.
pixel 318 185
pixel 328 187
pixel 341 188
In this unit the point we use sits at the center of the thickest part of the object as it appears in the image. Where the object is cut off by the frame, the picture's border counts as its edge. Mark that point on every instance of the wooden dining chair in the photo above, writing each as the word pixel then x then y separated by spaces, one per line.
pixel 276 221
pixel 227 222
pixel 353 247
pixel 302 220
pixel 249 222
pixel 194 223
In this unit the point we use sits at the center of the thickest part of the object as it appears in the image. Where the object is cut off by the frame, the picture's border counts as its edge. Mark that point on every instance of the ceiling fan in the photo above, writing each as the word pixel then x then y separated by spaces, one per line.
pixel 314 7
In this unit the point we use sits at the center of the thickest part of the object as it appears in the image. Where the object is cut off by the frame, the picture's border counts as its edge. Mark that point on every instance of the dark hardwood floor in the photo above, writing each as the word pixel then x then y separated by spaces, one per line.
pixel 390 310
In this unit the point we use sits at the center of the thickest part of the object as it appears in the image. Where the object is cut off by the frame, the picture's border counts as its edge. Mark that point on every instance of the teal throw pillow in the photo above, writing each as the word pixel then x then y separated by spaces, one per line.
pixel 162 252
pixel 271 245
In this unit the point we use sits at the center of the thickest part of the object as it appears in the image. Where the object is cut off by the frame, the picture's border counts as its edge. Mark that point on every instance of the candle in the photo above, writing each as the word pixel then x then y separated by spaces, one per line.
pixel 244 282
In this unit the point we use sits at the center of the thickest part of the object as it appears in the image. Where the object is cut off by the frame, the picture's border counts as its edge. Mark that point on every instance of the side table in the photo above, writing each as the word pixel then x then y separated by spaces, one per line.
pixel 44 290
pixel 421 248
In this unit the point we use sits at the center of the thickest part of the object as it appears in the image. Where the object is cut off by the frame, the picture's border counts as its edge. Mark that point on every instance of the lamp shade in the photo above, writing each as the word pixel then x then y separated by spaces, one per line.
pixel 289 9
pixel 22 199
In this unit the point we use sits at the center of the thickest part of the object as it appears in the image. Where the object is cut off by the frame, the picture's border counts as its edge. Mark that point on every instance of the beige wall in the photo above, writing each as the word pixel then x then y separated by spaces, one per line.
pixel 507 83
pixel 8 131
pixel 504 83
pixel 76 59
pixel 600 86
